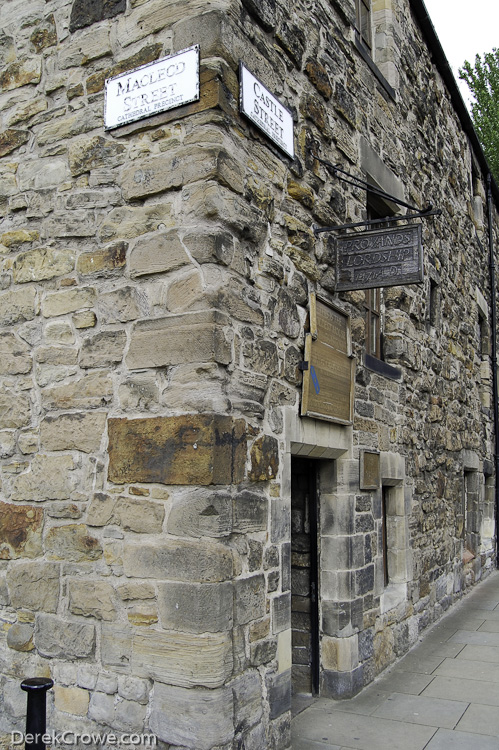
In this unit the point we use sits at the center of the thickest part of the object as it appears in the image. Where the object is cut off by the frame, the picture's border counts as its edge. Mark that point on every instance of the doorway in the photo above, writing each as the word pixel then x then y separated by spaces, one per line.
pixel 304 576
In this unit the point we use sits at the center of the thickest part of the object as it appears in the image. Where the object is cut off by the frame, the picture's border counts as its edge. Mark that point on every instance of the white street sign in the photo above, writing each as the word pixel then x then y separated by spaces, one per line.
pixel 265 111
pixel 152 88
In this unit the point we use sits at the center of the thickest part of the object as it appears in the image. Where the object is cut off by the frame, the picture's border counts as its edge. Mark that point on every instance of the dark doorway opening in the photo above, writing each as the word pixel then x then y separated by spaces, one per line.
pixel 304 576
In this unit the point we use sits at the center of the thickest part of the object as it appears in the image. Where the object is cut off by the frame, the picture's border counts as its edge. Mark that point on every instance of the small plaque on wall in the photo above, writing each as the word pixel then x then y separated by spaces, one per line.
pixel 370 472
pixel 328 377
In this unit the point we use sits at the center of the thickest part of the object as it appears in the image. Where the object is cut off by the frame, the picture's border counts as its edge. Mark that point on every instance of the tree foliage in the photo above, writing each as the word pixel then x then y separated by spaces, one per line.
pixel 483 82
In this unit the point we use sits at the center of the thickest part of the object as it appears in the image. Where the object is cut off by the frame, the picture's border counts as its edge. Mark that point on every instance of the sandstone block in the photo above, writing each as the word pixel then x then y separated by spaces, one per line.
pixel 127 222
pixel 17 237
pixel 85 319
pixel 69 224
pixel 20 637
pixel 180 167
pixel 150 52
pixel 91 152
pixel 88 46
pixel 133 689
pixel 160 252
pixel 79 431
pixel 15 409
pixel 103 349
pixel 106 259
pixel 210 248
pixel 53 356
pixel 88 392
pixel 55 638
pixel 185 290
pixel 49 478
pixel 249 599
pixel 264 459
pixel 179 339
pixel 250 512
pixel 133 590
pixel 71 700
pixel 72 543
pixel 179 560
pixel 101 708
pixel 45 34
pixel 247 700
pixel 15 355
pixel 11 139
pixel 39 175
pixel 34 585
pixel 121 306
pixel 20 73
pixel 141 516
pixel 198 513
pixel 129 716
pixel 195 607
pixel 185 717
pixel 100 511
pixel 61 303
pixel 116 646
pixel 184 660
pixel 21 531
pixel 92 599
pixel 41 264
pixel 191 449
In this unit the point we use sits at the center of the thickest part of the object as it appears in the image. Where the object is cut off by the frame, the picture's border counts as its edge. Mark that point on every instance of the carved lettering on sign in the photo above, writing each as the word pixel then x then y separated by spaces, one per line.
pixel 385 257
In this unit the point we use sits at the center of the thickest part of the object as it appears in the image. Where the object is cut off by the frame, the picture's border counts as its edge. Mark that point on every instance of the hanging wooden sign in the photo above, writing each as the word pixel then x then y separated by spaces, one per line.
pixel 385 257
pixel 328 377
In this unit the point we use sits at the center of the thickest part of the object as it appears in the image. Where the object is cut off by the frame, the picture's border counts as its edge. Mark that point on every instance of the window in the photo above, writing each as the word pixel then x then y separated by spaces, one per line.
pixel 384 534
pixel 372 305
pixel 364 26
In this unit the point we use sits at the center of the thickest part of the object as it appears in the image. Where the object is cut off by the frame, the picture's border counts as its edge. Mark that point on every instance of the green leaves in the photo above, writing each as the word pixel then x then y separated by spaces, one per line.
pixel 483 82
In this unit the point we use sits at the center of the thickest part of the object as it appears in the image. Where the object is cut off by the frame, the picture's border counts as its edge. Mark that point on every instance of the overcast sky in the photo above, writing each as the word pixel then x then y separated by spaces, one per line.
pixel 465 29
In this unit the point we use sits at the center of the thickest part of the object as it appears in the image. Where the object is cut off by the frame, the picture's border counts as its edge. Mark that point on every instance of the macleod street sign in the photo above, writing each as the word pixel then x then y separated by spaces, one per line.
pixel 385 257
pixel 152 88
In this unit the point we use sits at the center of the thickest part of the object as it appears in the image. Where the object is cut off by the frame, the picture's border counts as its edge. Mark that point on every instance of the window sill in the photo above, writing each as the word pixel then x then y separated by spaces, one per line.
pixel 374 68
pixel 381 367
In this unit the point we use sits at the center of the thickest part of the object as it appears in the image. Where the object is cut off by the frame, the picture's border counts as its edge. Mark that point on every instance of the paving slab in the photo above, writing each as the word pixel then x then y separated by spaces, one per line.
pixel 469 670
pixel 359 732
pixel 480 653
pixel 417 709
pixel 421 664
pixel 365 703
pixel 489 626
pixel 485 693
pixel 445 739
pixel 481 720
pixel 476 638
pixel 404 682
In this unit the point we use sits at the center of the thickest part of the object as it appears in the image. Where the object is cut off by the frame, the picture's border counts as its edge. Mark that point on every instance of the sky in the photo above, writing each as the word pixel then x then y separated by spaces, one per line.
pixel 464 33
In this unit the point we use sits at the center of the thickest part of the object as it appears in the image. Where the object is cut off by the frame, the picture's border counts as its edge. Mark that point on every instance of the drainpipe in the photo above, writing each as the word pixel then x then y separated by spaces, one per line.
pixel 494 359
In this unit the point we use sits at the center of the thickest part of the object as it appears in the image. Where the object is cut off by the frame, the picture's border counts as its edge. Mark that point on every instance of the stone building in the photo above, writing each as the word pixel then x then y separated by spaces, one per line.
pixel 190 527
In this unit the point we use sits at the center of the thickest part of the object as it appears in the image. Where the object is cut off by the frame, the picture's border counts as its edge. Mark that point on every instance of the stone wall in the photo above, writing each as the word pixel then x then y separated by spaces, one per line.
pixel 155 286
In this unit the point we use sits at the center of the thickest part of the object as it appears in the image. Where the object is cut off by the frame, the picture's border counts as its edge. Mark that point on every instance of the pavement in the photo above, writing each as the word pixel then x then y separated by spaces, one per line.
pixel 443 695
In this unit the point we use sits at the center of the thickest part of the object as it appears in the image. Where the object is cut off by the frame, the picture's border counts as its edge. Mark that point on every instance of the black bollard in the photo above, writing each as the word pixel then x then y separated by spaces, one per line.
pixel 36 712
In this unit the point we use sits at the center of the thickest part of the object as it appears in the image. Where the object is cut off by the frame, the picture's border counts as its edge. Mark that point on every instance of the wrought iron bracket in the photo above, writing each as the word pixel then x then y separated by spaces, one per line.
pixel 344 176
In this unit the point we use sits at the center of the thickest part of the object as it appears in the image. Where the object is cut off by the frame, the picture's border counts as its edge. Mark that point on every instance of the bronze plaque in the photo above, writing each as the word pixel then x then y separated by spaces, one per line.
pixel 328 381
pixel 370 474
pixel 385 257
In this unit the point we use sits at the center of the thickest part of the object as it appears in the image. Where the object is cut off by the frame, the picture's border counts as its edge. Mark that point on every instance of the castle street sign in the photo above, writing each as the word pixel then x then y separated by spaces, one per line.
pixel 385 257
pixel 265 111
pixel 152 88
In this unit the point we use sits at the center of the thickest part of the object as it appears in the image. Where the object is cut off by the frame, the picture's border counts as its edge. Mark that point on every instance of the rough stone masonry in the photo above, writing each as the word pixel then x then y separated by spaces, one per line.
pixel 155 294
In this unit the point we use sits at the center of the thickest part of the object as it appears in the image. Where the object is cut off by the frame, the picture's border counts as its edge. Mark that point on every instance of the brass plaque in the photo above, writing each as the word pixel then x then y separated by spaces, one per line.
pixel 328 381
pixel 385 257
pixel 370 474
